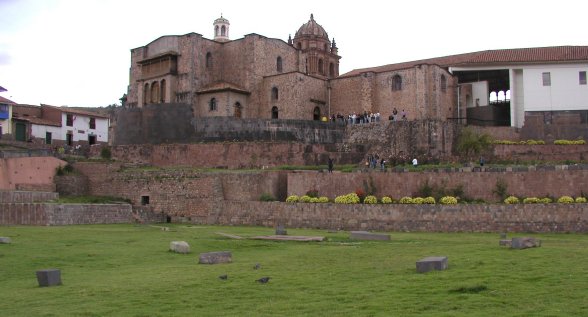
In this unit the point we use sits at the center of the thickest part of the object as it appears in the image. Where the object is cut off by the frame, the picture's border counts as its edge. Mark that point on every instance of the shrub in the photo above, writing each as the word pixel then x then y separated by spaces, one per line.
pixel 470 143
pixel 582 200
pixel 448 200
pixel 106 153
pixel 371 199
pixel 314 200
pixel 565 200
pixel 501 189
pixel 386 200
pixel 323 199
pixel 266 197
pixel 546 200
pixel 292 199
pixel 531 200
pixel 569 142
pixel 511 200
pixel 429 200
pixel 418 200
pixel 305 199
pixel 347 199
pixel 312 193
pixel 405 200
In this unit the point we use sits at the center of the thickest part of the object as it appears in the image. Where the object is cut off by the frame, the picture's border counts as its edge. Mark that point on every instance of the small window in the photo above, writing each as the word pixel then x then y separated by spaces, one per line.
pixel 279 64
pixel 275 93
pixel 546 79
pixel 396 83
pixel 320 66
pixel 274 112
pixel 47 137
pixel 212 104
pixel 208 60
pixel 92 123
pixel 69 120
pixel 162 93
pixel 443 83
pixel 144 200
pixel 582 76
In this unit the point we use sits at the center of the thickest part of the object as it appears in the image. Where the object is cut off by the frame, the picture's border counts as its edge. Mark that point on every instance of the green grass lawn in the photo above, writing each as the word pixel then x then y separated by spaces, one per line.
pixel 127 270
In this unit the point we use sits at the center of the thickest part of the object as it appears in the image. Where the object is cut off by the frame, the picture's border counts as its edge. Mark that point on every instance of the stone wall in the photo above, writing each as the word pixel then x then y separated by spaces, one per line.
pixel 71 185
pixel 547 152
pixel 477 183
pixel 28 173
pixel 540 218
pixel 26 196
pixel 43 214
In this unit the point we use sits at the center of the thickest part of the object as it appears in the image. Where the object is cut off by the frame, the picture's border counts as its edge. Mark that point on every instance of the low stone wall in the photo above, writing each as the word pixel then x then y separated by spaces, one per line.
pixel 42 214
pixel 539 218
pixel 71 185
pixel 26 196
pixel 546 152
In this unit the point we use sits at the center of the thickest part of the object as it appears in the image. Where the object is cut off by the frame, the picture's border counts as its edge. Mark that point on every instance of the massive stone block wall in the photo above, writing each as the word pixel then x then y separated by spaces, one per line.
pixel 23 173
pixel 42 214
pixel 546 181
pixel 549 218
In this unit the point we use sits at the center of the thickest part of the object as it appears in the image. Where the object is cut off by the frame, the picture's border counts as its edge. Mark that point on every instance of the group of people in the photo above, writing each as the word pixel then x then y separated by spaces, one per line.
pixel 396 117
pixel 357 118
pixel 373 161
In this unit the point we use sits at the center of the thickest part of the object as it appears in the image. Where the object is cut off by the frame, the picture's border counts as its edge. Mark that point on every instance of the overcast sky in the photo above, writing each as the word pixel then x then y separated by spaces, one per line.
pixel 77 52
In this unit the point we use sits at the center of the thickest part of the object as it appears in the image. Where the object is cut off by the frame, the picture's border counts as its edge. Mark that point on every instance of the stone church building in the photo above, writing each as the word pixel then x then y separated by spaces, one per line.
pixel 256 77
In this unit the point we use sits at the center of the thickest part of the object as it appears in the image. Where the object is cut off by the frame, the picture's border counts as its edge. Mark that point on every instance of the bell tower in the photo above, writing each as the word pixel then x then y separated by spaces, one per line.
pixel 221 29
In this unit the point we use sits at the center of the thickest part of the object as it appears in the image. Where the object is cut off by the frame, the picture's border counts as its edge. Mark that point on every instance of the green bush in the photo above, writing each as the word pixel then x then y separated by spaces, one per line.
pixel 531 200
pixel 312 193
pixel 569 142
pixel 106 153
pixel 582 200
pixel 347 199
pixel 323 199
pixel 418 200
pixel 371 199
pixel 565 200
pixel 511 200
pixel 305 199
pixel 546 200
pixel 448 200
pixel 405 200
pixel 266 197
pixel 314 200
pixel 386 200
pixel 292 199
pixel 429 200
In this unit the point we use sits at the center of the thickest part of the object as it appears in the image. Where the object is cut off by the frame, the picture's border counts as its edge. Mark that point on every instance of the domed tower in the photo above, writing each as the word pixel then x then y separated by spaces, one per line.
pixel 221 29
pixel 320 55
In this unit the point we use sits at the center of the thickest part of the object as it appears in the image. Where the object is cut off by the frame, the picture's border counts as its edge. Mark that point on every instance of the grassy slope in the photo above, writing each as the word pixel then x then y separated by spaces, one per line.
pixel 126 270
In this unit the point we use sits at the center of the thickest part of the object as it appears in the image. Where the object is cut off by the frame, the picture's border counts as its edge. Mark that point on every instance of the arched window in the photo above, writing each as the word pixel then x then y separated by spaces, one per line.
pixel 493 97
pixel 443 83
pixel 508 95
pixel 396 83
pixel 155 92
pixel 212 104
pixel 274 112
pixel 325 47
pixel 216 30
pixel 331 70
pixel 275 93
pixel 279 64
pixel 316 114
pixel 208 60
pixel 299 45
pixel 223 31
pixel 320 66
pixel 501 96
pixel 162 94
pixel 146 95
pixel 238 109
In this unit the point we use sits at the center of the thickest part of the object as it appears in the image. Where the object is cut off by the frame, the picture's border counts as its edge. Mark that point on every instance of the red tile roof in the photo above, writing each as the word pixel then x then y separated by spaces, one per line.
pixel 77 111
pixel 6 101
pixel 39 121
pixel 553 54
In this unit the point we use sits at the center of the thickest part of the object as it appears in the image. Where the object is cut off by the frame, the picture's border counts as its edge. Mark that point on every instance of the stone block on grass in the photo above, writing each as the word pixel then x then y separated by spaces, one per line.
pixel 281 231
pixel 49 277
pixel 215 257
pixel 365 235
pixel 179 247
pixel 525 243
pixel 431 263
pixel 505 242
pixel 5 240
